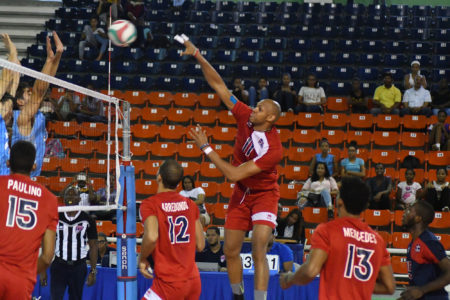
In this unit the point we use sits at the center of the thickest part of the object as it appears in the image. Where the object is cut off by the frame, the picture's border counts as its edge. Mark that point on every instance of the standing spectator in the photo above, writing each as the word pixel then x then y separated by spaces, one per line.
pixel 441 97
pixel 67 106
pixel 320 186
pixel 326 157
pixel 311 97
pixel 172 233
pixel 353 166
pixel 416 100
pixel 285 95
pixel 196 194
pixel 103 10
pixel 91 110
pixel 408 81
pixel 76 235
pixel 285 254
pixel 387 97
pixel 93 36
pixel 291 227
pixel 440 133
pixel 350 256
pixel 104 251
pixel 85 189
pixel 239 90
pixel 213 251
pixel 428 265
pixel 26 229
pixel 437 192
pixel 408 191
pixel 48 107
pixel 261 93
pixel 380 189
pixel 358 100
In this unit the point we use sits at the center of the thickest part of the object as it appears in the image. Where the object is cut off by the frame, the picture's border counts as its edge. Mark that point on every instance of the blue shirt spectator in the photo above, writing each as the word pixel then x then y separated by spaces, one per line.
pixel 286 257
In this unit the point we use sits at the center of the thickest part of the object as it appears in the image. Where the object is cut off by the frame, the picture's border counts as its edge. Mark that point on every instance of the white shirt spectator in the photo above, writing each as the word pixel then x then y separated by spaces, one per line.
pixel 416 98
pixel 312 95
pixel 317 186
pixel 409 191
pixel 193 194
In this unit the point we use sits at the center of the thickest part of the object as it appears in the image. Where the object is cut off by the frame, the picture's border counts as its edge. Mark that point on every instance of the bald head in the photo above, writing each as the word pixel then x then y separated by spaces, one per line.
pixel 273 107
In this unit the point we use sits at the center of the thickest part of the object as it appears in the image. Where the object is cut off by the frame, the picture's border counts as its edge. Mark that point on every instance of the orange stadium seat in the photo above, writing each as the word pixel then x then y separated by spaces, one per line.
pixel 225 151
pixel 387 122
pixel 305 136
pixel 210 208
pixel 138 165
pixel 97 183
pixel 385 157
pixel 386 237
pixel 286 120
pixel 419 177
pixel 50 164
pixel 289 191
pixel 57 184
pixel 190 167
pixel 189 100
pixel 163 150
pixel 101 148
pixel 335 120
pixel 145 187
pixel 438 158
pixel 139 229
pixel 419 154
pixel 441 220
pixel 160 98
pixel 399 264
pixel 362 138
pixel 300 154
pixel 180 115
pixel 64 128
pixel 226 189
pixel 74 165
pixel 315 215
pixel 208 171
pixel 208 100
pixel 223 134
pixel 189 151
pixel 413 140
pixel 138 98
pixel 398 215
pixel 401 239
pixel 211 189
pixel 444 239
pixel 308 234
pixel 286 209
pixel 377 217
pixel 334 137
pixel 309 120
pixel 135 114
pixel 107 227
pixel 205 116
pixel 220 210
pixel 285 135
pixel 337 104
pixel 56 93
pixel 44 180
pixel 100 166
pixel 226 117
pixel 93 130
pixel 154 114
pixel 385 139
pixel 151 167
pixel 361 121
pixel 80 146
pixel 144 131
pixel 173 133
pixel 292 172
pixel 140 149
pixel 414 122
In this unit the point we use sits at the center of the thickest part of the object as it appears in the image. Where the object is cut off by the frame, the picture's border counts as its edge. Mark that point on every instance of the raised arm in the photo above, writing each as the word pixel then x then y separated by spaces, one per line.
pixel 10 79
pixel 212 77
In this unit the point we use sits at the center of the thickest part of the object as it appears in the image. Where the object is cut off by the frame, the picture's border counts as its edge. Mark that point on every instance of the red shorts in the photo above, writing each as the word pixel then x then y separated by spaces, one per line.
pixel 247 208
pixel 177 290
pixel 14 286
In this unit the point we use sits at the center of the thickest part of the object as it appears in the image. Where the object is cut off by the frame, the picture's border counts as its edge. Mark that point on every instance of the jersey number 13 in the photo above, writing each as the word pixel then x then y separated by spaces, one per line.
pixel 358 263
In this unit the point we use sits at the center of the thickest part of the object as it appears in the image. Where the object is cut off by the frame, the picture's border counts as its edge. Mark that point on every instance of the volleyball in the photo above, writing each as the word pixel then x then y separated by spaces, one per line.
pixel 122 33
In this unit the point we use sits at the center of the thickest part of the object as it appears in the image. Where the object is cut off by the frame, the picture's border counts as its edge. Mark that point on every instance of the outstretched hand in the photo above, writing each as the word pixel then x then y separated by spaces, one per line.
pixel 198 135
pixel 145 269
pixel 59 47
pixel 190 48
pixel 9 45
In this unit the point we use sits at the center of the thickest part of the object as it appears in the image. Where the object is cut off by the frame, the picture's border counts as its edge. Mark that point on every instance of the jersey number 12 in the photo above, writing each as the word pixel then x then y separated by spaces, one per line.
pixel 361 269
pixel 178 235
pixel 22 213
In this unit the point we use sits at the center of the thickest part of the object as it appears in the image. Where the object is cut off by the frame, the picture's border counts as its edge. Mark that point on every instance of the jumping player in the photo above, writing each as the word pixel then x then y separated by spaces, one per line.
pixel 28 219
pixel 351 257
pixel 172 233
pixel 254 202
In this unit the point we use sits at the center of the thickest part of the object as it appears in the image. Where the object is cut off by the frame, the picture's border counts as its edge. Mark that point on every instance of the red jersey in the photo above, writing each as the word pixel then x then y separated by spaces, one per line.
pixel 355 254
pixel 27 210
pixel 174 255
pixel 264 148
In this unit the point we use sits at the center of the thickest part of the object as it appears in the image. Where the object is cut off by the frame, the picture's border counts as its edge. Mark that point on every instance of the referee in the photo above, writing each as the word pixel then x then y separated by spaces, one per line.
pixel 76 230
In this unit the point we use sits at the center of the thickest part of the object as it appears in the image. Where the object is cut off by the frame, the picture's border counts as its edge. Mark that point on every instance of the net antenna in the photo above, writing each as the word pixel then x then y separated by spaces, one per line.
pixel 24 71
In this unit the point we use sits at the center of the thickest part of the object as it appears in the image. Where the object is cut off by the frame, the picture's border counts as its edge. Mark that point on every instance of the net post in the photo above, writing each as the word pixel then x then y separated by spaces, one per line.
pixel 126 132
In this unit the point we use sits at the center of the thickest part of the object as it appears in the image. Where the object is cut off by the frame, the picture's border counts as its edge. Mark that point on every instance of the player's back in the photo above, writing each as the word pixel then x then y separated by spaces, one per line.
pixel 174 254
pixel 27 210
pixel 355 255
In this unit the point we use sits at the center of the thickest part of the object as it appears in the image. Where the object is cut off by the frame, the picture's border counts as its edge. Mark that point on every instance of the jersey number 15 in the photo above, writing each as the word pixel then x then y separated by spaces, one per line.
pixel 22 213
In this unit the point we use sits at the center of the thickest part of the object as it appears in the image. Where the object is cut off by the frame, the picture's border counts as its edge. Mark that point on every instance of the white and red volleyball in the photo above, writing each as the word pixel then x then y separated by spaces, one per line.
pixel 122 33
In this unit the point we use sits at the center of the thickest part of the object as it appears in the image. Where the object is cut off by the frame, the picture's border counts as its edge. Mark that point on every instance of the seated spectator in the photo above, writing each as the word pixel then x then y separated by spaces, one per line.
pixel 104 7
pixel 358 100
pixel 408 191
pixel 284 253
pixel 353 166
pixel 416 100
pixel 311 97
pixel 291 227
pixel 213 251
pixel 196 194
pixel 326 157
pixel 255 95
pixel 48 107
pixel 87 194
pixel 157 41
pixel 410 78
pixel 387 97
pixel 440 133
pixel 91 110
pixel 441 97
pixel 135 12
pixel 239 90
pixel 93 36
pixel 319 188
pixel 103 251
pixel 437 192
pixel 67 106
pixel 285 95
pixel 380 188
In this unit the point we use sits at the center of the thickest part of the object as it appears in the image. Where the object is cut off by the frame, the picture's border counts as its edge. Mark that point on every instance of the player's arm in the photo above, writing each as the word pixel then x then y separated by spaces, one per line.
pixel 48 249
pixel 385 283
pixel 199 236
pixel 287 266
pixel 416 292
pixel 149 240
pixel 212 77
pixel 307 272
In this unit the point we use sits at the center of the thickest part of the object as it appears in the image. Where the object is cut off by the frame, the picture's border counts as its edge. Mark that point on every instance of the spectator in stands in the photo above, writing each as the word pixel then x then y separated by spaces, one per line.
pixel 440 133
pixel 353 166
pixel 87 194
pixel 93 36
pixel 213 251
pixel 319 188
pixel 387 97
pixel 437 192
pixel 103 251
pixel 104 7
pixel 67 106
pixel 408 81
pixel 408 191
pixel 91 109
pixel 416 100
pixel 291 227
pixel 441 97
pixel 48 107
pixel 196 194
pixel 358 100
pixel 311 97
pixel 239 90
pixel 326 157
pixel 285 254
pixel 285 95
pixel 380 189
pixel 261 93
pixel 135 12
